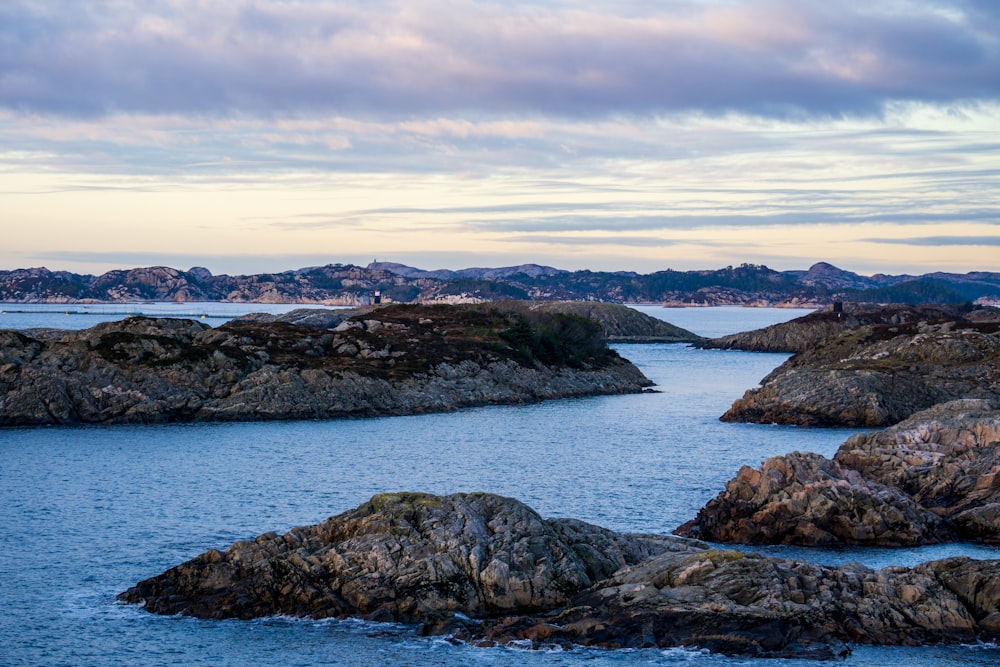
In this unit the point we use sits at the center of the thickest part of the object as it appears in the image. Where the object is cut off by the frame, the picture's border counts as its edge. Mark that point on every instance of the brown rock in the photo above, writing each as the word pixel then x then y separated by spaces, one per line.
pixel 947 458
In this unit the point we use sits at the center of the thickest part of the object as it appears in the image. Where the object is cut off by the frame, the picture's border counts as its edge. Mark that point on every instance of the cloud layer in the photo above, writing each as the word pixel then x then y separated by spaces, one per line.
pixel 446 58
pixel 580 134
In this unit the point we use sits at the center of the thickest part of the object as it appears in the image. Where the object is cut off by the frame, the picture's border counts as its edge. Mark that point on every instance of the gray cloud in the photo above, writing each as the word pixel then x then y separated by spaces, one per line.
pixel 271 58
pixel 932 241
pixel 629 241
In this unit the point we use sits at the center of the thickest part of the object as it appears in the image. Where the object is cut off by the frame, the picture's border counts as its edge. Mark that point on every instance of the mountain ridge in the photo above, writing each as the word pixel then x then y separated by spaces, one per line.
pixel 351 285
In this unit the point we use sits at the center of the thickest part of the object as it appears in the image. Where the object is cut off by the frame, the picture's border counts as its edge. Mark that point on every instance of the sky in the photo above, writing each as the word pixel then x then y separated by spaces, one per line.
pixel 267 135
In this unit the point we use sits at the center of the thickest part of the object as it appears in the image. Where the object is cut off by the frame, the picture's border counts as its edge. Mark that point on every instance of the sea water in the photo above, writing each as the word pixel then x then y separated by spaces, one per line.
pixel 89 511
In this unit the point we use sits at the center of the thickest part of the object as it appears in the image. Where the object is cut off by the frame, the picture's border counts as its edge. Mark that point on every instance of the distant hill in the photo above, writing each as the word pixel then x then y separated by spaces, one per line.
pixel 345 284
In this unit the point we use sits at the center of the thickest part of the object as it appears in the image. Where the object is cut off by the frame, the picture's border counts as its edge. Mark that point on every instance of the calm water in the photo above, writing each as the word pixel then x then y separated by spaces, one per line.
pixel 89 511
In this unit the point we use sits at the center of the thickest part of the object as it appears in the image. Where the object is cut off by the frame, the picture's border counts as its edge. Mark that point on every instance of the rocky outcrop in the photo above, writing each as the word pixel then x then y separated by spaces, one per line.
pixel 488 570
pixel 934 477
pixel 619 324
pixel 752 605
pixel 808 499
pixel 804 332
pixel 946 458
pixel 878 375
pixel 400 360
pixel 407 557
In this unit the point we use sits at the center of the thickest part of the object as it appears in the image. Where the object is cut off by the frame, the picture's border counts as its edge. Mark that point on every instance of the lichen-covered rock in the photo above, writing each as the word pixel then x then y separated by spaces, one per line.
pixel 878 375
pixel 398 360
pixel 407 557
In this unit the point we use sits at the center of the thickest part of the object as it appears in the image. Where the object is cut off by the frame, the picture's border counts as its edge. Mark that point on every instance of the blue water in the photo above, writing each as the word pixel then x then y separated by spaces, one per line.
pixel 89 511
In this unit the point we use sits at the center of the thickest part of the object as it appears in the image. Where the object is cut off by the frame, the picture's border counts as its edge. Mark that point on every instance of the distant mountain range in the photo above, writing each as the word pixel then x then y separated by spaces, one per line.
pixel 339 284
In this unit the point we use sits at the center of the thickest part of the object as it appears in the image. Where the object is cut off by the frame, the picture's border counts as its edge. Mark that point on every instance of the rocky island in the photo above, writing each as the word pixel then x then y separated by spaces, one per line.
pixel 934 477
pixel 878 374
pixel 804 332
pixel 618 323
pixel 397 359
pixel 489 570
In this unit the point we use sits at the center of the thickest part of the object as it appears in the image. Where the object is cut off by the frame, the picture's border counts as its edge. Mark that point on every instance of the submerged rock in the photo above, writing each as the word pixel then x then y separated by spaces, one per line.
pixel 396 360
pixel 934 477
pixel 487 570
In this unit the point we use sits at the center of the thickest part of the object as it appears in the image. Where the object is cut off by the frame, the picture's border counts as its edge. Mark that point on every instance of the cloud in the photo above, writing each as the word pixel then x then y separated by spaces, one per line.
pixel 411 61
pixel 933 241
pixel 217 263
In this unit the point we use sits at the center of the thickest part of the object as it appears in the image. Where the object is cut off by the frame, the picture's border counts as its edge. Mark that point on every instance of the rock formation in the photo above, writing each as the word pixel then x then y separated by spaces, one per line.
pixel 878 375
pixel 620 324
pixel 946 458
pixel 488 569
pixel 934 477
pixel 808 499
pixel 408 557
pixel 804 332
pixel 398 360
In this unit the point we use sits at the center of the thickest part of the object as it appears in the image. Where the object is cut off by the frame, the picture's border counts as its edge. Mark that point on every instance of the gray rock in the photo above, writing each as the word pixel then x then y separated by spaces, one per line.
pixel 145 370
pixel 804 332
pixel 489 570
pixel 878 375
pixel 620 324
pixel 407 557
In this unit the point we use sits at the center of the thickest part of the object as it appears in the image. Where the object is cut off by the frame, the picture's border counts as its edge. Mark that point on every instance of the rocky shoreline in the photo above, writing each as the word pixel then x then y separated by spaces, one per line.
pixel 390 361
pixel 489 570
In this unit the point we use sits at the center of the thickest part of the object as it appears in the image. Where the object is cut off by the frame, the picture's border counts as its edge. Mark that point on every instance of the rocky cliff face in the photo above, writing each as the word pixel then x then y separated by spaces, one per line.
pixel 878 375
pixel 398 360
pixel 934 477
pixel 488 570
